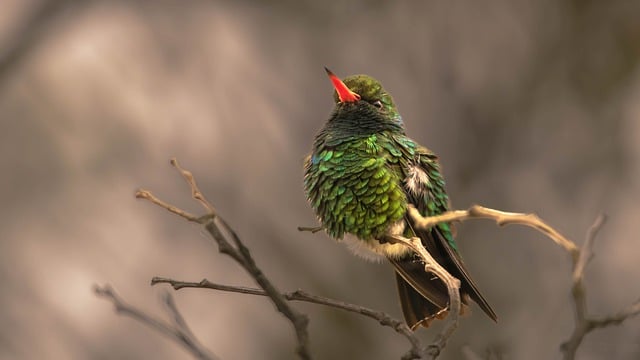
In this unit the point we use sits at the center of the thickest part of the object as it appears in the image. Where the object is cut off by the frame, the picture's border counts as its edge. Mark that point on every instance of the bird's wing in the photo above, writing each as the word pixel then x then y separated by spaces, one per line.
pixel 424 187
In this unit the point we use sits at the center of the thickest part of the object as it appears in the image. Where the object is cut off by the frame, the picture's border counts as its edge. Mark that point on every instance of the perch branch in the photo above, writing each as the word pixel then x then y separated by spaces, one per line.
pixel 219 229
pixel 384 319
pixel 453 285
pixel 584 323
pixel 501 218
pixel 177 330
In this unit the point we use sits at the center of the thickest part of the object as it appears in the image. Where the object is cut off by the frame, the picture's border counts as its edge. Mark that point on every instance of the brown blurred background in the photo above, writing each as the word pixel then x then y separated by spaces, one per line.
pixel 532 106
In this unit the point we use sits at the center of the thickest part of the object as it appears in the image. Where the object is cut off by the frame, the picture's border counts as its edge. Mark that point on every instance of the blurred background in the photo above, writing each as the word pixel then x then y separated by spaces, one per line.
pixel 532 107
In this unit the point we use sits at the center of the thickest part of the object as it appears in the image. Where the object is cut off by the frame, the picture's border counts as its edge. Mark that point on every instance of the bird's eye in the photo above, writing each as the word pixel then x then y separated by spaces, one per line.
pixel 377 104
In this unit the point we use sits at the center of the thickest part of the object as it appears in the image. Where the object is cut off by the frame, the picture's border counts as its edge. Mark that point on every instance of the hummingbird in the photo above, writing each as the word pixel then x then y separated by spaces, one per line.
pixel 360 178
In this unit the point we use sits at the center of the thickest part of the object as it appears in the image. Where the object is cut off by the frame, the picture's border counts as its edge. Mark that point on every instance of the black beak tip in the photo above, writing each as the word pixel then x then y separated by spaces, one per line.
pixel 329 72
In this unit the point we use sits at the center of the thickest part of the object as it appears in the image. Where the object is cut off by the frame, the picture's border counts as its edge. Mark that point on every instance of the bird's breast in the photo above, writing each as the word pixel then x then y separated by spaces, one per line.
pixel 355 192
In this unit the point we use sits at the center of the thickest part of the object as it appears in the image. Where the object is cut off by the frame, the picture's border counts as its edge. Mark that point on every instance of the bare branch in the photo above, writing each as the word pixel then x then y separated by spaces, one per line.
pixel 177 318
pixel 177 331
pixel 219 229
pixel 584 323
pixel 617 318
pixel 417 349
pixel 311 229
pixel 206 284
pixel 578 290
pixel 147 195
pixel 501 218
pixel 195 190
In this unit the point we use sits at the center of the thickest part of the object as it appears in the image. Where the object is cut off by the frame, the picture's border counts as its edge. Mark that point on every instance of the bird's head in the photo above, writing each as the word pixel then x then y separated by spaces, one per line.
pixel 365 94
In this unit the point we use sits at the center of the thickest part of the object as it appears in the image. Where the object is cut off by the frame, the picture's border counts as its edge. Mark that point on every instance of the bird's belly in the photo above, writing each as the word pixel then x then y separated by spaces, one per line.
pixel 376 250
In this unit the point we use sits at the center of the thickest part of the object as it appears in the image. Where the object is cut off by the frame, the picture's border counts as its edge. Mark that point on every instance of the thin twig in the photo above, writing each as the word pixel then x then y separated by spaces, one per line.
pixel 177 330
pixel 300 321
pixel 578 289
pixel 311 229
pixel 177 318
pixel 584 323
pixel 195 190
pixel 617 318
pixel 501 218
pixel 417 349
pixel 147 195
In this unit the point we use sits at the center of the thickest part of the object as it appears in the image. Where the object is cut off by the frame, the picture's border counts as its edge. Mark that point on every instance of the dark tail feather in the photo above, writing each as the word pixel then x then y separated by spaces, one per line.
pixel 416 308
pixel 455 267
pixel 422 295
pixel 411 271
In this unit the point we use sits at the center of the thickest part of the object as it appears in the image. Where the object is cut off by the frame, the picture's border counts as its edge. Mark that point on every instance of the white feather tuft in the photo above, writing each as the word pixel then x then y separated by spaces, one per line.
pixel 417 180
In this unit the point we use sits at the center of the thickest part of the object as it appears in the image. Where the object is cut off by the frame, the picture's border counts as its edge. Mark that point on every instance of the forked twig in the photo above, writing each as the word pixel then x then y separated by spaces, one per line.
pixel 219 229
pixel 177 330
pixel 585 323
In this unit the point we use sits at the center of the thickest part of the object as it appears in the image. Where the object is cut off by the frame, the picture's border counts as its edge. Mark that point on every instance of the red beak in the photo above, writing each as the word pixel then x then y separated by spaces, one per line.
pixel 344 93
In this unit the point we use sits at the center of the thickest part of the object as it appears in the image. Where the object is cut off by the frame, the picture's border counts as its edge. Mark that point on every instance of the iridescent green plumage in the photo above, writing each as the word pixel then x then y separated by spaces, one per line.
pixel 360 178
pixel 353 188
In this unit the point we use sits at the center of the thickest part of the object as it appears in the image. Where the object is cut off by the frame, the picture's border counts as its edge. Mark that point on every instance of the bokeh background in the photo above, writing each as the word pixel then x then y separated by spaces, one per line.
pixel 532 106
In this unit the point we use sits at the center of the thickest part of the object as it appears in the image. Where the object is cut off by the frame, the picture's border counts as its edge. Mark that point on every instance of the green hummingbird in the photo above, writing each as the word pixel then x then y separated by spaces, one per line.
pixel 361 176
